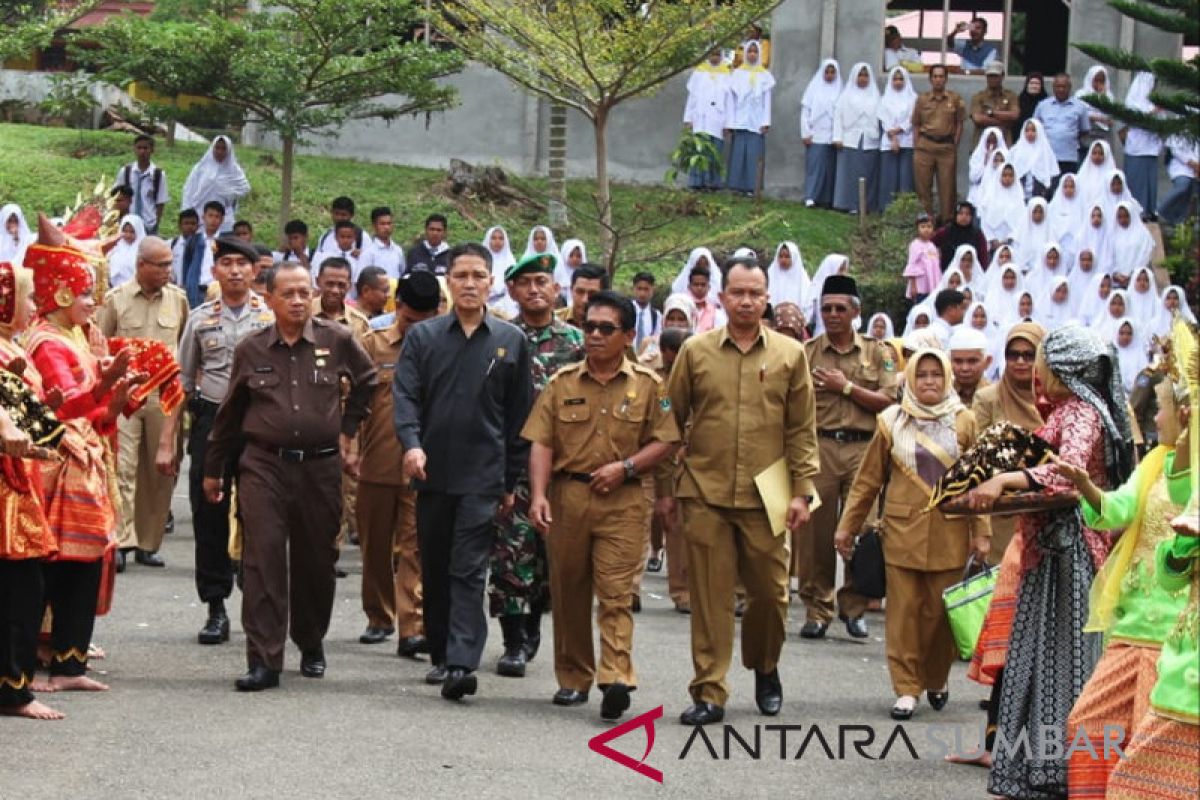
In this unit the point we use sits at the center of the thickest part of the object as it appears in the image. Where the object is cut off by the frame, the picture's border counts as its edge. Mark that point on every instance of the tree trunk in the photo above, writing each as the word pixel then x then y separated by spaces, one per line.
pixel 603 195
pixel 171 132
pixel 285 200
pixel 557 164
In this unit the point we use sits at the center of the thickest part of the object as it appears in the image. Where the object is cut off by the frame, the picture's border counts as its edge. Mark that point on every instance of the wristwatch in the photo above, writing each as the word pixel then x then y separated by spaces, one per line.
pixel 848 389
pixel 630 469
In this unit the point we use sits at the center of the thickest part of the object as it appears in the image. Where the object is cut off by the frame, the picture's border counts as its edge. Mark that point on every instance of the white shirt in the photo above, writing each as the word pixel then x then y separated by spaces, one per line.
pixel 892 58
pixel 389 256
pixel 1182 151
pixel 648 322
pixel 142 184
pixel 750 108
pixel 707 102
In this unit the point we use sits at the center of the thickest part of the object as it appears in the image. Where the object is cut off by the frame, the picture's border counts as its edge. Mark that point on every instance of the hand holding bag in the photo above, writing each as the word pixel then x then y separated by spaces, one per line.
pixel 967 604
pixel 866 562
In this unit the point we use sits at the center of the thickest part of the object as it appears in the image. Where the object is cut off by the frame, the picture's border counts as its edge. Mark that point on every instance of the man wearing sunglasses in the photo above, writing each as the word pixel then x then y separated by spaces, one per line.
pixel 854 378
pixel 594 429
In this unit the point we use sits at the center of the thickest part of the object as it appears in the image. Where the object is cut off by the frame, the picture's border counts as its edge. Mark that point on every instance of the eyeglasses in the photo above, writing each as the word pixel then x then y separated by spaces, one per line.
pixel 162 264
pixel 830 308
pixel 605 328
pixel 1020 355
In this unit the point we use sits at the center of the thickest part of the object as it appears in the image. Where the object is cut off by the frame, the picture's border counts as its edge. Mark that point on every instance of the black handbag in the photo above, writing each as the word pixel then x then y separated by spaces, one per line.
pixel 866 562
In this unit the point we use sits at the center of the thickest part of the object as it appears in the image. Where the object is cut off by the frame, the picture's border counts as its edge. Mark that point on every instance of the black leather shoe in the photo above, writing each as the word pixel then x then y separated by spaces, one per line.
pixel 256 679
pixel 569 697
pixel 512 663
pixel 341 573
pixel 768 692
pixel 533 634
pixel 857 627
pixel 636 604
pixel 814 630
pixel 148 559
pixel 412 646
pixel 654 564
pixel 119 560
pixel 436 675
pixel 458 683
pixel 615 701
pixel 702 714
pixel 312 663
pixel 373 635
pixel 938 700
pixel 215 630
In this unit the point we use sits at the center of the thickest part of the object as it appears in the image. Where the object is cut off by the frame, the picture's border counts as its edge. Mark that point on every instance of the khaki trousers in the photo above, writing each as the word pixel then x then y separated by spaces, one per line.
pixel 815 559
pixel 391 558
pixel 145 492
pixel 920 647
pixel 596 548
pixel 942 159
pixel 647 482
pixel 677 564
pixel 725 545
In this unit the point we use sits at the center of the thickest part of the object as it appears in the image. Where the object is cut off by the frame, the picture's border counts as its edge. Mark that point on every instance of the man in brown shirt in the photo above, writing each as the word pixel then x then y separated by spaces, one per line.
pixel 285 402
pixel 387 510
pixel 937 126
pixel 147 307
pixel 597 425
pixel 995 106
pixel 855 379
pixel 747 392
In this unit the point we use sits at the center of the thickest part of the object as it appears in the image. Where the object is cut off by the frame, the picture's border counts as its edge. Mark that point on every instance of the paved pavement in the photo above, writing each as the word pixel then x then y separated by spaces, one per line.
pixel 173 727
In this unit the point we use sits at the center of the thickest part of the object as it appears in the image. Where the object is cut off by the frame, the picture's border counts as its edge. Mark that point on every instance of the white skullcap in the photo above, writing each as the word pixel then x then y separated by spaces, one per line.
pixel 968 338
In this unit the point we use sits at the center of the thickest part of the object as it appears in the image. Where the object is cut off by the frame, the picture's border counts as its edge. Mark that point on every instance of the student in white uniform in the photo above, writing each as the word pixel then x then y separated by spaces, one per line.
pixel 379 250
pixel 148 182
pixel 217 177
pixel 749 119
pixel 816 131
pixel 705 114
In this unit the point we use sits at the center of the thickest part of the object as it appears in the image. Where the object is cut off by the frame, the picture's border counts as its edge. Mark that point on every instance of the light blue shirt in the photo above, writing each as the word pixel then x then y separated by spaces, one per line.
pixel 383 321
pixel 1064 122
pixel 975 57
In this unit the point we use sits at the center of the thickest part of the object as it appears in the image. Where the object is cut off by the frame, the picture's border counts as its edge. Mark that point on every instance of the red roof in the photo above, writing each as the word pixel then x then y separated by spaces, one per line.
pixel 110 8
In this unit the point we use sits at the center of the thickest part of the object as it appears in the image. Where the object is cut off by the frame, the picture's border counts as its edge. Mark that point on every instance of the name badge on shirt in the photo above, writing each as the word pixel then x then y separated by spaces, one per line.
pixel 263 370
pixel 321 352
pixel 574 401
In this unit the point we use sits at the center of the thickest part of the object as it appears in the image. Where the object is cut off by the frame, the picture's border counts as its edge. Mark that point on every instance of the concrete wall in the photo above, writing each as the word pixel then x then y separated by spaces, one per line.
pixel 496 123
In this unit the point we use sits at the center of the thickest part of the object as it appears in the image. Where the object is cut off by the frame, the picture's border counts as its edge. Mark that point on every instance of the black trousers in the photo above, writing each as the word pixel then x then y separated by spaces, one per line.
pixel 456 534
pixel 71 591
pixel 210 521
pixel 20 618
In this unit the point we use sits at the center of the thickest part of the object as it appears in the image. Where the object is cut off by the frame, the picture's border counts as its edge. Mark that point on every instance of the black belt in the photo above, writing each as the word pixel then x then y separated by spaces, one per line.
pixel 937 139
pixel 844 435
pixel 293 456
pixel 586 477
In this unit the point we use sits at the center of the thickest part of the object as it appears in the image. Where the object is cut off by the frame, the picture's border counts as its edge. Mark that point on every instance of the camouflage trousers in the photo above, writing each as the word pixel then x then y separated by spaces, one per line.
pixel 519 569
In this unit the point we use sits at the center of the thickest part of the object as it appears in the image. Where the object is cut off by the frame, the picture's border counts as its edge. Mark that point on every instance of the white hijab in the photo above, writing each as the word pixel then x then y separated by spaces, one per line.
pixel 858 105
pixel 991 140
pixel 1104 323
pixel 1005 303
pixel 921 308
pixel 1093 308
pixel 751 80
pixel 820 96
pixel 790 285
pixel 223 181
pixel 1131 246
pixel 562 272
pixel 991 330
pixel 1133 356
pixel 1065 214
pixel 1143 306
pixel 1091 180
pixel 122 259
pixel 889 329
pixel 551 245
pixel 1080 278
pixel 980 193
pixel 680 285
pixel 1097 239
pixel 1087 89
pixel 977 283
pixel 1162 326
pixel 1036 158
pixel 1041 277
pixel 896 106
pixel 1003 209
pixel 1112 199
pixel 832 264
pixel 13 250
pixel 1051 313
pixel 1031 238
pixel 500 262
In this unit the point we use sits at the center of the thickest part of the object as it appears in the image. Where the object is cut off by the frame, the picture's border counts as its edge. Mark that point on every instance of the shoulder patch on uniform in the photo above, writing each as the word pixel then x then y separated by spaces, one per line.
pixel 665 404
pixel 889 365
pixel 1143 380
pixel 644 370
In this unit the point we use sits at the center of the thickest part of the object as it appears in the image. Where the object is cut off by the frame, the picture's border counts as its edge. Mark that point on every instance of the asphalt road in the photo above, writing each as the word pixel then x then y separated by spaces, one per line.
pixel 173 726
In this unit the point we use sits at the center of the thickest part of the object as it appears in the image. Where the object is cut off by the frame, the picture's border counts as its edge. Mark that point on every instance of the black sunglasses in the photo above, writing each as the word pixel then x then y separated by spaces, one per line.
pixel 605 328
pixel 1020 355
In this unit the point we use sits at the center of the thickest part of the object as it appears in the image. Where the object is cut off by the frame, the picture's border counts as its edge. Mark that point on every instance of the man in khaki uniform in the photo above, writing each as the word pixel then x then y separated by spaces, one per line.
pixel 595 428
pixel 995 106
pixel 387 510
pixel 148 307
pixel 333 284
pixel 937 127
pixel 854 379
pixel 747 392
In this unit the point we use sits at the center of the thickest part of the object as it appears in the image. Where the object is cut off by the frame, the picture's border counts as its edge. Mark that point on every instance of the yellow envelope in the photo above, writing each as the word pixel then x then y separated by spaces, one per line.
pixel 774 486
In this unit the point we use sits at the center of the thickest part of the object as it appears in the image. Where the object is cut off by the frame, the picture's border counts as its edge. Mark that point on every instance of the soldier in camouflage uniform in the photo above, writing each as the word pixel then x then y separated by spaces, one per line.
pixel 518 591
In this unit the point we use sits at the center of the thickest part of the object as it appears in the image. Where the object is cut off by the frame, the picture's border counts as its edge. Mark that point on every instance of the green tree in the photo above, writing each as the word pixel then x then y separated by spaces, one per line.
pixel 1176 83
pixel 594 56
pixel 30 24
pixel 300 70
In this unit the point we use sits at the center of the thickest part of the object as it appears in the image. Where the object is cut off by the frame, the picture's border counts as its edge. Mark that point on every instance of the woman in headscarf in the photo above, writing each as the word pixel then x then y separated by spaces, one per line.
pixel 1058 557
pixel 571 256
pixel 26 541
pixel 751 86
pixel 496 241
pixel 1056 307
pixel 924 552
pixel 996 162
pixel 1118 192
pixel 959 231
pixel 879 327
pixel 1034 234
pixel 919 317
pixel 1131 351
pixel 79 504
pixel 678 312
pixel 816 131
pixel 704 115
pixel 1033 93
pixel 217 176
pixel 790 321
pixel 787 282
pixel 1142 148
pixel 1065 212
pixel 856 137
pixel 1005 208
pixel 16 235
pixel 1083 270
pixel 1096 82
pixel 699 257
pixel 1130 243
pixel 1115 309
pixel 1095 237
pixel 832 264
pixel 966 262
pixel 122 258
pixel 1005 286
pixel 1093 174
pixel 540 242
pixel 1094 306
pixel 1034 159
pixel 1144 300
pixel 980 164
pixel 1049 267
pixel 1174 301
pixel 896 145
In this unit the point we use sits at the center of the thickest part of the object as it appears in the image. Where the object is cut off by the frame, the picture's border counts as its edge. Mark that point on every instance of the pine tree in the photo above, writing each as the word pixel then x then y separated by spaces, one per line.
pixel 1176 83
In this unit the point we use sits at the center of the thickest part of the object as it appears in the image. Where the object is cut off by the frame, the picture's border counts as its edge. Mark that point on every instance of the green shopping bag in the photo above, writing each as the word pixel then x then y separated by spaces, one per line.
pixel 966 606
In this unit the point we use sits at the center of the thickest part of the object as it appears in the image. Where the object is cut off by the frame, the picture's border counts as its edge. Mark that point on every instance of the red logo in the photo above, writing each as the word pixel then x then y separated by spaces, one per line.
pixel 599 744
